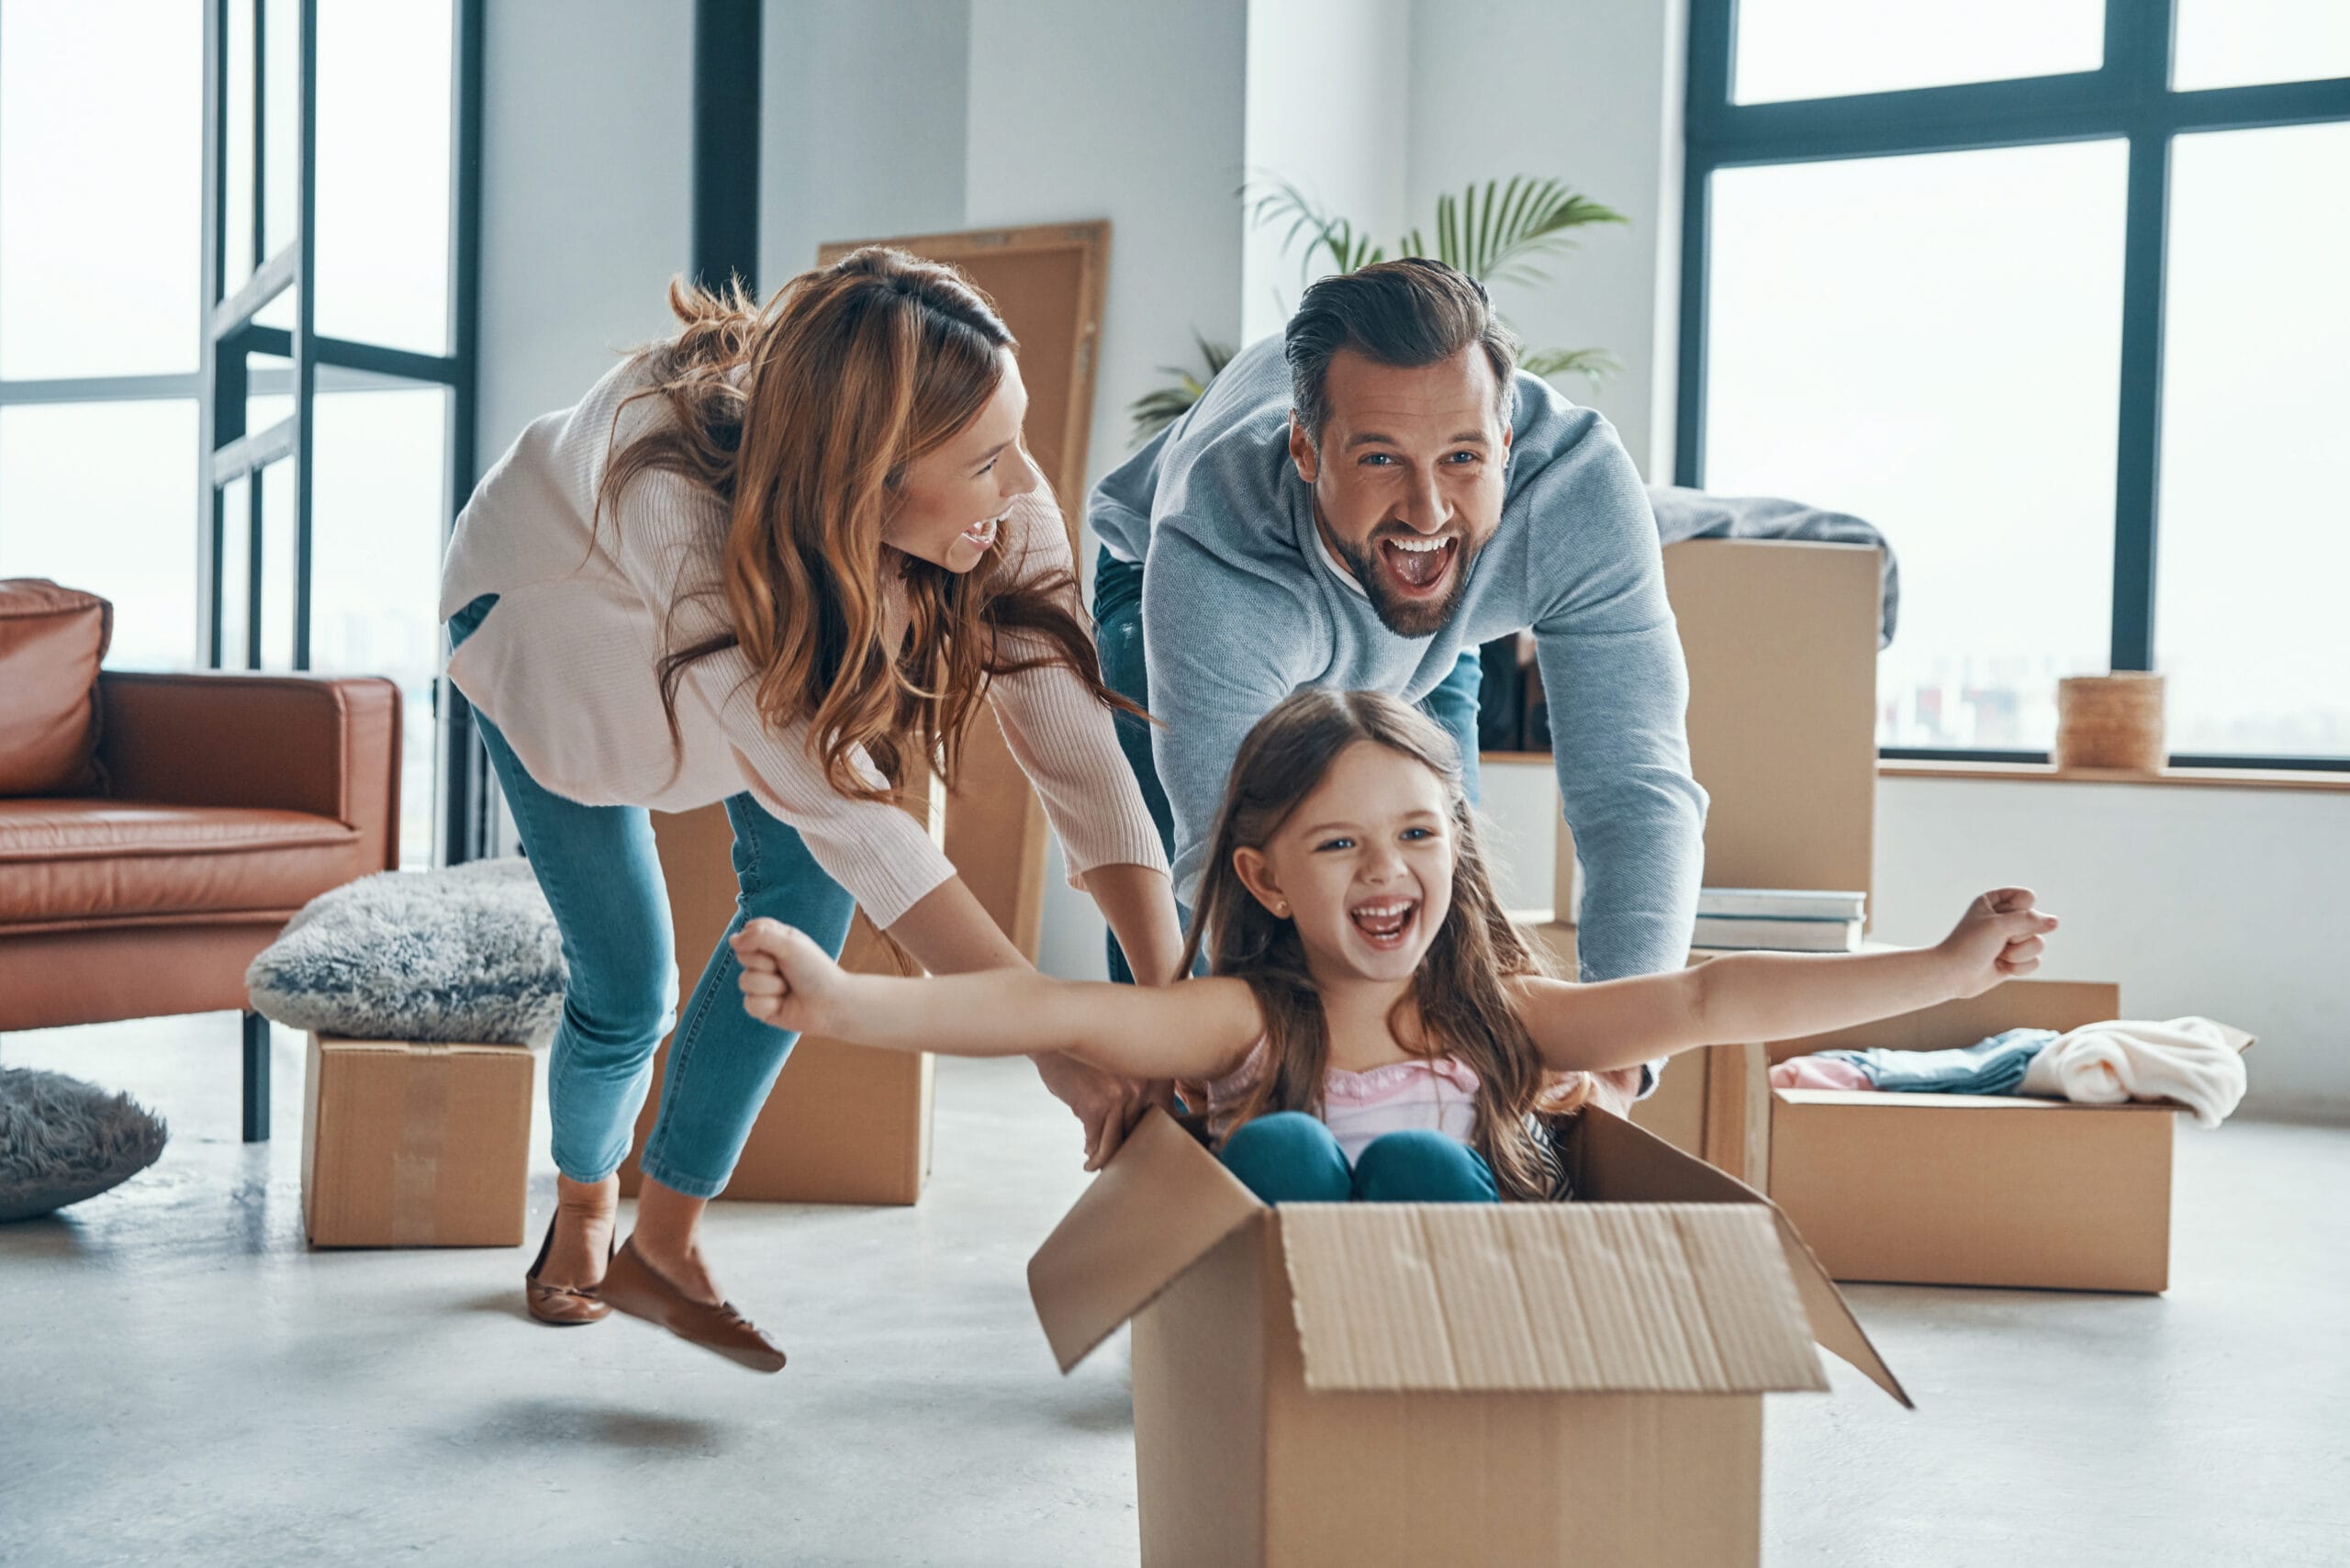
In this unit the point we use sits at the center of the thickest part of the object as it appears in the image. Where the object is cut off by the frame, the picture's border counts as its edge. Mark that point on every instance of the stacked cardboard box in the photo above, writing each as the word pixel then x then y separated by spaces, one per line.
pixel 407 1144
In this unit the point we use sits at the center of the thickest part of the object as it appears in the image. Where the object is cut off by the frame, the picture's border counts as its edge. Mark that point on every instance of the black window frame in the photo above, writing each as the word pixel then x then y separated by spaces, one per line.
pixel 227 452
pixel 2128 97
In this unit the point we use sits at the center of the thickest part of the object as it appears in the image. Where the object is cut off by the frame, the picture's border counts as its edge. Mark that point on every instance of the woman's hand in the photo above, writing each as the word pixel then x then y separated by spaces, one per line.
pixel 787 982
pixel 1106 1103
pixel 1999 937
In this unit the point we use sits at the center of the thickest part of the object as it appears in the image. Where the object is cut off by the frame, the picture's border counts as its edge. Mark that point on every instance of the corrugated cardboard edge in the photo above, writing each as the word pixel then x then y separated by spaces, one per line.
pixel 1834 1327
pixel 1159 1205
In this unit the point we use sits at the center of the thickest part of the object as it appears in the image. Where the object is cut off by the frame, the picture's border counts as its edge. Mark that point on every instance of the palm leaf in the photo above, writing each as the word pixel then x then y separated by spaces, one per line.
pixel 1271 201
pixel 1154 410
pixel 1595 366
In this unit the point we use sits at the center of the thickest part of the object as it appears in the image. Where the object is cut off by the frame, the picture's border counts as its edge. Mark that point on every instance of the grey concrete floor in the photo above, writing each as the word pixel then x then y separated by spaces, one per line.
pixel 185 1382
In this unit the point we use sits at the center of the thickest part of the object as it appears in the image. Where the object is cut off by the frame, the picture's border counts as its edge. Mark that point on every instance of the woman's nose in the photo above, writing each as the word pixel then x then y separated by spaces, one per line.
pixel 1022 476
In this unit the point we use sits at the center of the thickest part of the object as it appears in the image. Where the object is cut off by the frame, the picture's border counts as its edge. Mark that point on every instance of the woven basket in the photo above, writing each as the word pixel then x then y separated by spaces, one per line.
pixel 2112 721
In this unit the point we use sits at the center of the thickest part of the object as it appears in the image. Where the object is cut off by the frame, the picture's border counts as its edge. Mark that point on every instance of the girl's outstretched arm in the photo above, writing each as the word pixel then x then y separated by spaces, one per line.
pixel 1199 1028
pixel 1749 997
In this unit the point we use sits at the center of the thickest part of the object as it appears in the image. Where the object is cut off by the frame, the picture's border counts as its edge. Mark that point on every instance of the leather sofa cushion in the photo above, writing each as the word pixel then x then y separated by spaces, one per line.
pixel 70 863
pixel 52 642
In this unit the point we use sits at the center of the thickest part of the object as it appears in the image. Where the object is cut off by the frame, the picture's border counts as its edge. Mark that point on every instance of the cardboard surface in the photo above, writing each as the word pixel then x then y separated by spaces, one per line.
pixel 1976 1189
pixel 414 1145
pixel 1780 637
pixel 1961 1190
pixel 1576 1297
pixel 1345 1382
pixel 843 1124
pixel 1157 1207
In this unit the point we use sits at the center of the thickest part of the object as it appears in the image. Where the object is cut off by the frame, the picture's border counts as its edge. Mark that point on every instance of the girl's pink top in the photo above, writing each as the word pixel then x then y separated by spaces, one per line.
pixel 565 664
pixel 1436 1092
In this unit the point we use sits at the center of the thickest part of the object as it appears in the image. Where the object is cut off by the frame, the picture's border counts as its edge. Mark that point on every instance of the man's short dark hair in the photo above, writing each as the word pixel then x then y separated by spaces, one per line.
pixel 1408 313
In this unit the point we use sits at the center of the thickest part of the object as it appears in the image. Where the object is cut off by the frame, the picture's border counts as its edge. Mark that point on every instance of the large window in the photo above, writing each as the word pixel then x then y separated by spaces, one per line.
pixel 2051 293
pixel 235 366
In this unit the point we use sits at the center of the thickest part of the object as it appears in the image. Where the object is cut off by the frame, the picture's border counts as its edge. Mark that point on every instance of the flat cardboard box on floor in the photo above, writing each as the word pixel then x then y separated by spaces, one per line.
pixel 1408 1384
pixel 1976 1189
pixel 410 1144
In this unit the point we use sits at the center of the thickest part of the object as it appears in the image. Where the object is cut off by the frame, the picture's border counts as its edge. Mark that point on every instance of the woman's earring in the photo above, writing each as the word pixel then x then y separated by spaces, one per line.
pixel 1281 909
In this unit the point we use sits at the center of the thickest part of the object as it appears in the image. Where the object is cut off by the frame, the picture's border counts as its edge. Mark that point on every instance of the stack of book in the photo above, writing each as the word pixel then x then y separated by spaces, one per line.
pixel 1785 920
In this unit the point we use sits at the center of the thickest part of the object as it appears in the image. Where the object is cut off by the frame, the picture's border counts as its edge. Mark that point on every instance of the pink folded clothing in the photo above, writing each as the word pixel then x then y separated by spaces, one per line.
pixel 1820 1072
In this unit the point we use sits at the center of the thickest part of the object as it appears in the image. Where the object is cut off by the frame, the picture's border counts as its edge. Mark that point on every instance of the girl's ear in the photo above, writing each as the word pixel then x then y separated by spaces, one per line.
pixel 1256 874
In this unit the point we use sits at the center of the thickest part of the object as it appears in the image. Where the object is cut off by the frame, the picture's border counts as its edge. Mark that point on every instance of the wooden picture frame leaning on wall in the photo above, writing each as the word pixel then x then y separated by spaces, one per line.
pixel 1048 282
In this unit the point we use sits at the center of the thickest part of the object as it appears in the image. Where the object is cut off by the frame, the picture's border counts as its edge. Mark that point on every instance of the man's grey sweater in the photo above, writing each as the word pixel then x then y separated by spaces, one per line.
pixel 1242 604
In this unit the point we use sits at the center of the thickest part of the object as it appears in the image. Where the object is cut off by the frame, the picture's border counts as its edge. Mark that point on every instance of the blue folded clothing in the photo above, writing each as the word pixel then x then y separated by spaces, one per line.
pixel 1994 1066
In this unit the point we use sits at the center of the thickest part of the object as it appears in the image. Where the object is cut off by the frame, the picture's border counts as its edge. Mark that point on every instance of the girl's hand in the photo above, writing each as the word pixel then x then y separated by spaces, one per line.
pixel 1999 939
pixel 787 982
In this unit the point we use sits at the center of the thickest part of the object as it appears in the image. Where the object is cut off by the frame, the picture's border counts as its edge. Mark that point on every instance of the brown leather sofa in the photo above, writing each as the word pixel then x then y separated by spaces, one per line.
pixel 233 800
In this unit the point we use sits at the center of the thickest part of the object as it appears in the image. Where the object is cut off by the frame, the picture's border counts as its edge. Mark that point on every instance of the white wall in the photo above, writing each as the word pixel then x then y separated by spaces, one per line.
pixel 864 111
pixel 586 190
pixel 1132 113
pixel 1589 92
pixel 2218 901
pixel 1329 110
pixel 586 205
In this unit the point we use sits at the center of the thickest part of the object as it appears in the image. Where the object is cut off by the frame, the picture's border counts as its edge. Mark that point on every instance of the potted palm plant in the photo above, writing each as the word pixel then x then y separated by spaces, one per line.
pixel 1502 232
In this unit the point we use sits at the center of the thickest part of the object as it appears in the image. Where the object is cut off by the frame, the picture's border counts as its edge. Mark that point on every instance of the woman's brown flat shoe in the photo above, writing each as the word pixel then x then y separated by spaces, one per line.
pixel 638 1289
pixel 565 1306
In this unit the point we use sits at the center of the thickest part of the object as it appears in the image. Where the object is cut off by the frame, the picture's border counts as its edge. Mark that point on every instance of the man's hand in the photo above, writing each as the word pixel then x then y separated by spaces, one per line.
pixel 1108 1106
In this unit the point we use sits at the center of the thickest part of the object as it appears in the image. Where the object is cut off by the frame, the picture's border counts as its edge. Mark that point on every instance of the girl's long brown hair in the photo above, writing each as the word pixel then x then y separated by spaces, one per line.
pixel 1464 1005
pixel 801 416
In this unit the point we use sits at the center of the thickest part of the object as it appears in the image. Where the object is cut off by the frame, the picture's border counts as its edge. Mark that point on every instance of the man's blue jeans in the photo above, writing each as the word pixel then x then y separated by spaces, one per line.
pixel 603 880
pixel 1292 1158
pixel 1117 632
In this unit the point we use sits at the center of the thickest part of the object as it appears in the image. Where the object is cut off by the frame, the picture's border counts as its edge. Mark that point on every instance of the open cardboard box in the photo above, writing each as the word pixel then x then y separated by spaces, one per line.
pixel 1976 1189
pixel 1350 1382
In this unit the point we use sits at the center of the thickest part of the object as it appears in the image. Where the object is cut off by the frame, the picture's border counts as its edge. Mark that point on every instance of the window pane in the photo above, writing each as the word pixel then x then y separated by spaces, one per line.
pixel 101 496
pixel 101 116
pixel 281 133
pixel 238 259
pixel 1823 49
pixel 380 500
pixel 268 391
pixel 1933 343
pixel 2230 43
pixel 236 575
pixel 384 118
pixel 277 565
pixel 2254 542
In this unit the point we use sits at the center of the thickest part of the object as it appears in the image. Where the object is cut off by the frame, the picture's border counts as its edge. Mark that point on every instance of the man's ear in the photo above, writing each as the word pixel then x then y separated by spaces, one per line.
pixel 1301 449
pixel 1509 433
pixel 1256 874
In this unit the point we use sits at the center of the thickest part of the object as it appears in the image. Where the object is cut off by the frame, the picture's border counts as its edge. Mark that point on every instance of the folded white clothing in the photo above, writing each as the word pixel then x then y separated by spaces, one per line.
pixel 2193 1061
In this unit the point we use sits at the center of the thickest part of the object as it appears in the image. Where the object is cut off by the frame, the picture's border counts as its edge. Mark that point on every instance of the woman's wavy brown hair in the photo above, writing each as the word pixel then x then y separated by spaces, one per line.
pixel 803 415
pixel 1464 1005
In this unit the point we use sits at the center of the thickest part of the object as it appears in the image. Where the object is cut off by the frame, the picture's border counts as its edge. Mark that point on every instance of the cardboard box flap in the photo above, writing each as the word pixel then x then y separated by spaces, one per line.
pixel 1615 1162
pixel 1155 1209
pixel 1557 1297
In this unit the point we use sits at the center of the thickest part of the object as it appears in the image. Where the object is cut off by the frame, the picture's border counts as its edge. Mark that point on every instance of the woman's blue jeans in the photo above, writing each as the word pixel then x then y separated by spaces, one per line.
pixel 1117 634
pixel 1292 1158
pixel 603 880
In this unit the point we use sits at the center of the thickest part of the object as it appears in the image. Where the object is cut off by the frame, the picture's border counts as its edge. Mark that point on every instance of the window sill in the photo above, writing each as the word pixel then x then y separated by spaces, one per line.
pixel 2045 773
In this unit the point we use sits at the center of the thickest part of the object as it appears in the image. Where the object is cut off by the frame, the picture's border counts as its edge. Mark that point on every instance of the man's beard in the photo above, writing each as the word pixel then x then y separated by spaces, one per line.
pixel 1404 617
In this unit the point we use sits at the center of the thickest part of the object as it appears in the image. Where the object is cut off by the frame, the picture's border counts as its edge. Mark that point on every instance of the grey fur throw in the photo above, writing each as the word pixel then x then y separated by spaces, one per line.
pixel 469 954
pixel 62 1140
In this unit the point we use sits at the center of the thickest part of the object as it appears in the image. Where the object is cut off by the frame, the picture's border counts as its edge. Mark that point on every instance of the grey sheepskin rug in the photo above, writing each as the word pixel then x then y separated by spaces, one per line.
pixel 469 954
pixel 62 1140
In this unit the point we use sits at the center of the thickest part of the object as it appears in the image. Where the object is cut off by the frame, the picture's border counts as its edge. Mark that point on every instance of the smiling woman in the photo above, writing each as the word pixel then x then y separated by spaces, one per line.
pixel 776 560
